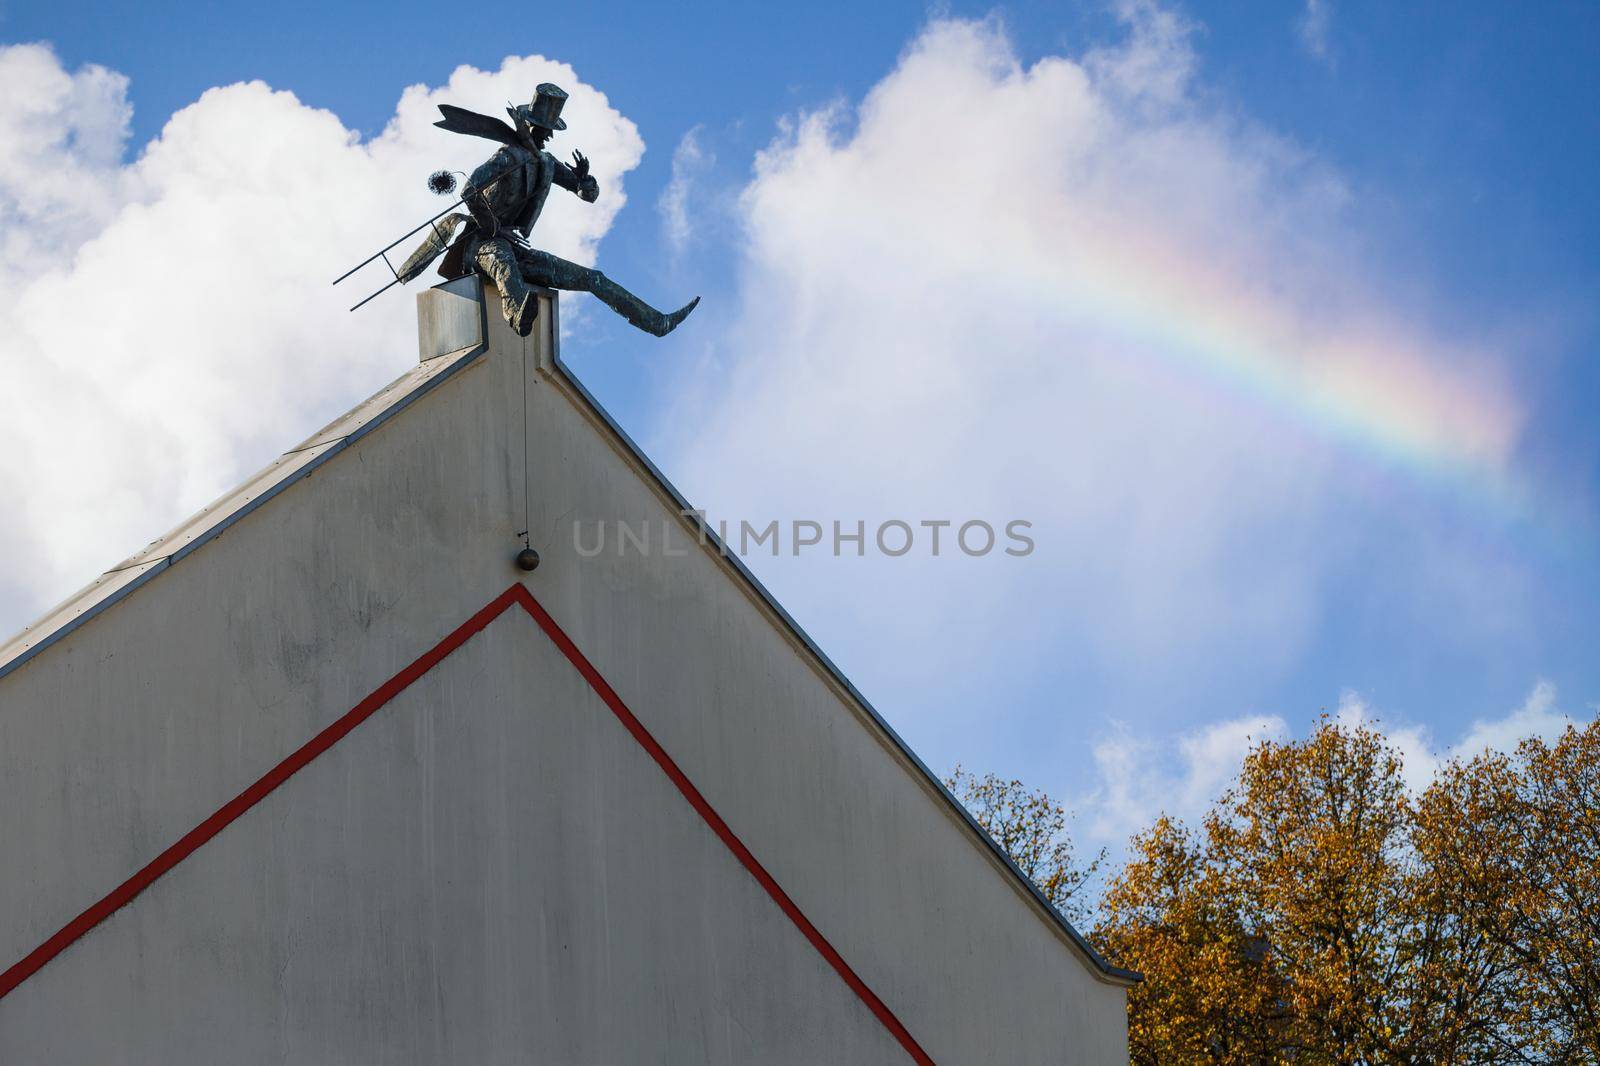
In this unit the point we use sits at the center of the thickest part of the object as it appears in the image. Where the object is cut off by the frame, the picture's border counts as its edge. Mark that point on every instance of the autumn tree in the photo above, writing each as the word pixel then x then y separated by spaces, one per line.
pixel 1318 838
pixel 1210 992
pixel 1032 828
pixel 1302 932
pixel 1322 913
pixel 1514 843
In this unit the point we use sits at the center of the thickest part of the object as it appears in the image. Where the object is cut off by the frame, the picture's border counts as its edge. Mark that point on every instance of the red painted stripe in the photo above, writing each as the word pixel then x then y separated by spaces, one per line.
pixel 192 840
pixel 720 827
pixel 269 782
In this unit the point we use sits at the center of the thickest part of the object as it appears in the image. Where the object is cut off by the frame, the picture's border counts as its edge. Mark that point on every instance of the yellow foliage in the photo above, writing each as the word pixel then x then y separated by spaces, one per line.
pixel 1322 914
pixel 1032 828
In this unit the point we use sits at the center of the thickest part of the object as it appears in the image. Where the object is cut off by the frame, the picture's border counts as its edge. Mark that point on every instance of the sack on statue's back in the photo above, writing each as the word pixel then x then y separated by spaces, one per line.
pixel 440 234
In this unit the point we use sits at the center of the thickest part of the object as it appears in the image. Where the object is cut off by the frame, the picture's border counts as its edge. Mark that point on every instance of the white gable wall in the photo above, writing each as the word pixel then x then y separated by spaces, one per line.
pixel 489 871
pixel 134 728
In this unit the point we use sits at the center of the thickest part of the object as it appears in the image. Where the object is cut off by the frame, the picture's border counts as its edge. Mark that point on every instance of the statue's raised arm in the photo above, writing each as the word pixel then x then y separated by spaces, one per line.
pixel 576 178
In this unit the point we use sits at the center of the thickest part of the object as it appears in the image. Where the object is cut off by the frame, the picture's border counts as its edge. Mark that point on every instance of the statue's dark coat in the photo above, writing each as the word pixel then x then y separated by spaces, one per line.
pixel 516 181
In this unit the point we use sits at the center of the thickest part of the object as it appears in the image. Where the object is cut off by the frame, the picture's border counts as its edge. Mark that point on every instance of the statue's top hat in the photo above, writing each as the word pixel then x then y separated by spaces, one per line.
pixel 545 111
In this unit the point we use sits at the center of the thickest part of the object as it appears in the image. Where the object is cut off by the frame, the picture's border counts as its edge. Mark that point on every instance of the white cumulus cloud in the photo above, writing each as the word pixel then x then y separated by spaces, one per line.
pixel 1422 754
pixel 1138 778
pixel 690 162
pixel 167 323
pixel 1141 778
pixel 1078 292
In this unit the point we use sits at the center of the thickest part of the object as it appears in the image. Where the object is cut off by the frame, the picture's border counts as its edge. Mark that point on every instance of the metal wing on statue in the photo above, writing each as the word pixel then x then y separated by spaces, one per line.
pixel 460 120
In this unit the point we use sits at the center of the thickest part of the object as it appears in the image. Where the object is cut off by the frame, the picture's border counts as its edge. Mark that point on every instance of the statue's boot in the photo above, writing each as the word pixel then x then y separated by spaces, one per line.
pixel 635 310
pixel 522 315
pixel 520 307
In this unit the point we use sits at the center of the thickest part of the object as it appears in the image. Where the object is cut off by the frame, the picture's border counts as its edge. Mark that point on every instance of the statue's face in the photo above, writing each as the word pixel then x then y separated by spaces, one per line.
pixel 539 135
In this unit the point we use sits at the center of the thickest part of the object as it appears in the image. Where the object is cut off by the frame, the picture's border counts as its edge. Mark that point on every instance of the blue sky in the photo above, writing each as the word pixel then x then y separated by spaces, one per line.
pixel 1219 555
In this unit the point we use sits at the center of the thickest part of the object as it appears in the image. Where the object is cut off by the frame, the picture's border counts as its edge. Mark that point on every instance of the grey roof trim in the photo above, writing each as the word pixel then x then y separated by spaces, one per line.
pixel 298 462
pixel 1105 969
pixel 80 607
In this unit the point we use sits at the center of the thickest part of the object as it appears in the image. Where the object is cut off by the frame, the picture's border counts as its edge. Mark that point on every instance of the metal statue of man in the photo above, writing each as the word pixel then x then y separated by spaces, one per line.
pixel 504 197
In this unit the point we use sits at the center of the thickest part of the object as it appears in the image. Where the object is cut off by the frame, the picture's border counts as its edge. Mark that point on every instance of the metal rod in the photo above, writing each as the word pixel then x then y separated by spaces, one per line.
pixel 397 240
pixel 386 288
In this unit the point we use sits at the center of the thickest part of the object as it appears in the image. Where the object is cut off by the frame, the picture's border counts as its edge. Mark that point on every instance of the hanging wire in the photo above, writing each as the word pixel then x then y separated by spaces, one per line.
pixel 527 524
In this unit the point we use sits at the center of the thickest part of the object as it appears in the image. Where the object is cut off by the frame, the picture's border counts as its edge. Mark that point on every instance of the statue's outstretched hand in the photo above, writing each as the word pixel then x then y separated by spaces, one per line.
pixel 580 165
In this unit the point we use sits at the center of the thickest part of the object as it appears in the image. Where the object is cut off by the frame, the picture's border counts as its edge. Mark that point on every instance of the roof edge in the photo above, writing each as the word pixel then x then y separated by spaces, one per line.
pixel 299 462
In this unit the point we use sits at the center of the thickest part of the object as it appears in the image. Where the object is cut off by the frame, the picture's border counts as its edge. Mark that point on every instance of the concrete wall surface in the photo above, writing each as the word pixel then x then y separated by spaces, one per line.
pixel 491 868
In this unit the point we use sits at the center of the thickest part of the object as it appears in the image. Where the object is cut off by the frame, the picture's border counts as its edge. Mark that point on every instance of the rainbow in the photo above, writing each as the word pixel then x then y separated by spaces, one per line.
pixel 1442 415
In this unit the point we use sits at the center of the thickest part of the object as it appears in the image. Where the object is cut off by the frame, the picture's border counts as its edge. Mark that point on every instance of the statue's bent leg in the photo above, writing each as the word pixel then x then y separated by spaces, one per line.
pixel 558 273
pixel 518 303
